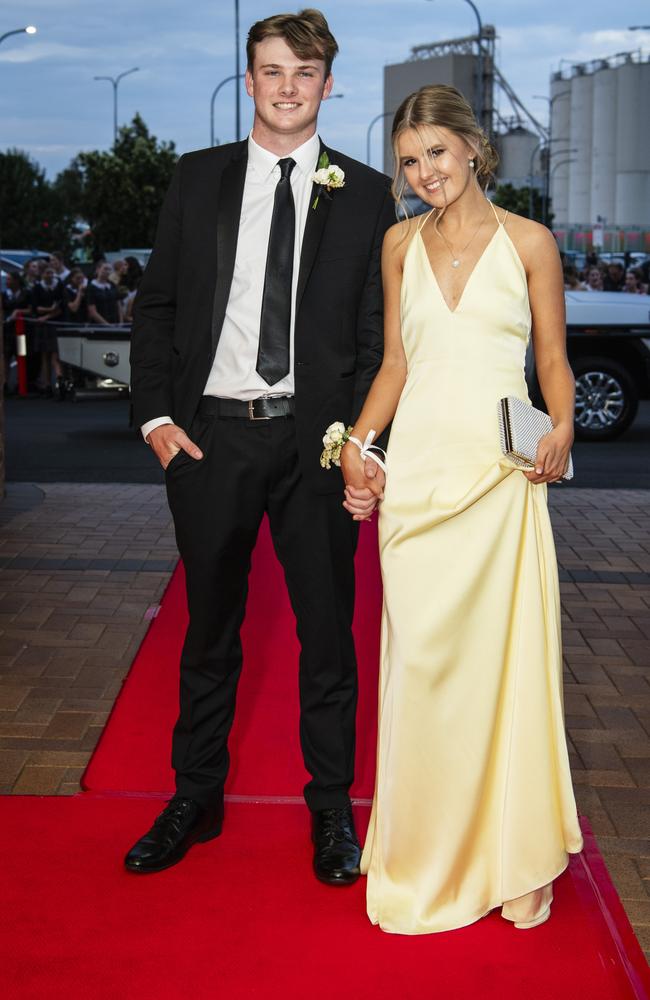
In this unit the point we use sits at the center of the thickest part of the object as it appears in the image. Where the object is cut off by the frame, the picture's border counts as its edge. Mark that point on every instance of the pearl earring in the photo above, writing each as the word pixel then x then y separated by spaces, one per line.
pixel 471 163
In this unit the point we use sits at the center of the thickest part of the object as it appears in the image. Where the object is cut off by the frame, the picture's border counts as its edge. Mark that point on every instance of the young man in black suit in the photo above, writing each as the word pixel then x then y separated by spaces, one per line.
pixel 257 324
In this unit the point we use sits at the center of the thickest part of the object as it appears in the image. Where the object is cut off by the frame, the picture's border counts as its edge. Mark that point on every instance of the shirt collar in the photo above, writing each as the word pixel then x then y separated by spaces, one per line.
pixel 263 162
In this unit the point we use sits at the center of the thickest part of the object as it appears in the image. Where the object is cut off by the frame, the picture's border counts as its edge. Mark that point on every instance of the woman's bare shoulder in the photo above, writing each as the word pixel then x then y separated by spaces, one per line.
pixel 532 240
pixel 398 238
pixel 527 230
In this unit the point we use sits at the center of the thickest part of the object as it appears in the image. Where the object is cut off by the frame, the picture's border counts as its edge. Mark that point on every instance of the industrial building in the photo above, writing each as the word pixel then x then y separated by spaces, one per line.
pixel 599 114
pixel 519 136
pixel 593 158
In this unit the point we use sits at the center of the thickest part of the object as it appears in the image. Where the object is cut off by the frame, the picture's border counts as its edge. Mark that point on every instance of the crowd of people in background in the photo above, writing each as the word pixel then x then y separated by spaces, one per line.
pixel 48 294
pixel 606 276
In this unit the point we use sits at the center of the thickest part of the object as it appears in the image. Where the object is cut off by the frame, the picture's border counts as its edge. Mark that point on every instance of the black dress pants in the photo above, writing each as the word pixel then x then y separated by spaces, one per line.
pixel 217 503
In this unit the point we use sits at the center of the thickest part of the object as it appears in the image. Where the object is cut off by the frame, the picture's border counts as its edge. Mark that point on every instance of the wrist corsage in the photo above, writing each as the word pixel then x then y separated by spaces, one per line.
pixel 337 435
pixel 334 438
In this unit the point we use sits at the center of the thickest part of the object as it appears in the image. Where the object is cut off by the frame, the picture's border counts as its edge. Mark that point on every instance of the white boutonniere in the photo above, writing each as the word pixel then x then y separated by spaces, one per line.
pixel 334 438
pixel 328 176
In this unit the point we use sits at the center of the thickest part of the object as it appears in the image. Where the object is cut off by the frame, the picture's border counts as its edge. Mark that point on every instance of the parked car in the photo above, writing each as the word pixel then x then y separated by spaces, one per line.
pixel 13 261
pixel 627 258
pixel 95 360
pixel 608 343
pixel 576 258
pixel 141 254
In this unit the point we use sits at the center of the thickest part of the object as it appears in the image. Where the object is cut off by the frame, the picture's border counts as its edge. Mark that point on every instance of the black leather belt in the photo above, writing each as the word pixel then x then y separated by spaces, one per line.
pixel 262 408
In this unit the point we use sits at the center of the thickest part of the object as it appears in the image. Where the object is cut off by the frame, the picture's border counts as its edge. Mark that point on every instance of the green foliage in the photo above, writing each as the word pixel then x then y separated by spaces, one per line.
pixel 119 193
pixel 24 201
pixel 517 200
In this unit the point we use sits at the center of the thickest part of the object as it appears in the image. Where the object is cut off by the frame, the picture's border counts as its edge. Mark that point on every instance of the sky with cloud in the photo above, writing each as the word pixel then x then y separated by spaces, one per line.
pixel 51 107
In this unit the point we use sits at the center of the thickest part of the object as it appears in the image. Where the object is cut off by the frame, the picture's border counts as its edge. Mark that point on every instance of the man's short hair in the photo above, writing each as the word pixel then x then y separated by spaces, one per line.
pixel 306 33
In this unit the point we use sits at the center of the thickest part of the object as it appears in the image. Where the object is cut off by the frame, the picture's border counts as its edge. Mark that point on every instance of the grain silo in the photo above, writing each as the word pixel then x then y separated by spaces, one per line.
pixel 605 175
pixel 581 132
pixel 632 206
pixel 603 149
pixel 560 134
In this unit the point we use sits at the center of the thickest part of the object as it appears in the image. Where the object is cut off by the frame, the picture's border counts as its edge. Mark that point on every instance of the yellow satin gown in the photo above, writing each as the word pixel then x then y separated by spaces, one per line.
pixel 473 803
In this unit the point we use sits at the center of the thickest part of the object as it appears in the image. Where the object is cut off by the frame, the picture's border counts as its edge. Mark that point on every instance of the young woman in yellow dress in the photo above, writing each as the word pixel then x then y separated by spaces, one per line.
pixel 473 806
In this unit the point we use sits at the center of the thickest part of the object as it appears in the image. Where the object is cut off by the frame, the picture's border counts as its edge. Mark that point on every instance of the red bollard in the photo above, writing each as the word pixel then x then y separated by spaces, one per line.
pixel 21 355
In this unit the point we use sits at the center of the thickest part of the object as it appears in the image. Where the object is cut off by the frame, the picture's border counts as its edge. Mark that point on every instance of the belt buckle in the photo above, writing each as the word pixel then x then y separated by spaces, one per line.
pixel 251 411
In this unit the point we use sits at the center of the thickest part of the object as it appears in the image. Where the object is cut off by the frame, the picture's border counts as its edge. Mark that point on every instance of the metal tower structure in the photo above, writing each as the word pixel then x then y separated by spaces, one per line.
pixel 492 78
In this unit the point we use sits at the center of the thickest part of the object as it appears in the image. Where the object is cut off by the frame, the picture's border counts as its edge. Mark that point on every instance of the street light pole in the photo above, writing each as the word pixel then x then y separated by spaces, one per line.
pixel 238 74
pixel 115 81
pixel 216 90
pixel 530 177
pixel 562 163
pixel 542 142
pixel 29 30
pixel 547 178
pixel 377 118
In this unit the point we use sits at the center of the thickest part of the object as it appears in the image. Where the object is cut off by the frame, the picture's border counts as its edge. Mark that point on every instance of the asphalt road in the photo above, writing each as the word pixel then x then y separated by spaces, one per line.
pixel 91 442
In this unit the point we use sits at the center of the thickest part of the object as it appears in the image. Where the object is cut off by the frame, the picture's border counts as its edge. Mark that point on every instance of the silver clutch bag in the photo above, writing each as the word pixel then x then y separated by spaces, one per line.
pixel 521 426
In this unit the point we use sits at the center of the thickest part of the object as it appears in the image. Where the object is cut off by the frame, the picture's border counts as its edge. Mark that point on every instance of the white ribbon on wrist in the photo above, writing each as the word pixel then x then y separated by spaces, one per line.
pixel 367 448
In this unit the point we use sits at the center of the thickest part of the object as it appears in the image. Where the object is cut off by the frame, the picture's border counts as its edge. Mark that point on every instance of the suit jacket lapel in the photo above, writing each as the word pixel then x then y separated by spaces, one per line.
pixel 314 227
pixel 231 193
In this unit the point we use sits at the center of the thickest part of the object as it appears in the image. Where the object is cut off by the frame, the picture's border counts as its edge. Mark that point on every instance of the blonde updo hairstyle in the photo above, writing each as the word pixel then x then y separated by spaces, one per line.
pixel 440 106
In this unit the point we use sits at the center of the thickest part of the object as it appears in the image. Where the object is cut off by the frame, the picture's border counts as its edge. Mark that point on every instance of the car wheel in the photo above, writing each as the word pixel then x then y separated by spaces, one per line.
pixel 606 399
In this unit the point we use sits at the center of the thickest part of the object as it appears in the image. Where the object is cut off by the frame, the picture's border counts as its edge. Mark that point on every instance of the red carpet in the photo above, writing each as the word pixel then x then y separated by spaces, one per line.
pixel 243 917
pixel 134 751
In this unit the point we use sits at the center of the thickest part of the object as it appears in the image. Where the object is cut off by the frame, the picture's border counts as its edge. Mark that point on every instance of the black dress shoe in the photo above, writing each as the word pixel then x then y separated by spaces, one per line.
pixel 336 848
pixel 181 824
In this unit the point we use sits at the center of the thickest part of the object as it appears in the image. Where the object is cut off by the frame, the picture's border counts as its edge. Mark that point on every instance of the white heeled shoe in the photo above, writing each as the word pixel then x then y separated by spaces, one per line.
pixel 542 918
pixel 514 909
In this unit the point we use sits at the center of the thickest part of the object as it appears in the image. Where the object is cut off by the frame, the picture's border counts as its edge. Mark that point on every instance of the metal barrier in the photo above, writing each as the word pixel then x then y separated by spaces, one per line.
pixel 98 351
pixel 21 354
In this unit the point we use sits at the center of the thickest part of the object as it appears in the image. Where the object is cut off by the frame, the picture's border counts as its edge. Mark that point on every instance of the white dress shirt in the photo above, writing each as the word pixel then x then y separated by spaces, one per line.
pixel 233 374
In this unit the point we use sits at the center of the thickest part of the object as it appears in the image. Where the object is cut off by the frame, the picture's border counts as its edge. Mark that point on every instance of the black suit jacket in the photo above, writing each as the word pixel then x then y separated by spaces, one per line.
pixel 181 303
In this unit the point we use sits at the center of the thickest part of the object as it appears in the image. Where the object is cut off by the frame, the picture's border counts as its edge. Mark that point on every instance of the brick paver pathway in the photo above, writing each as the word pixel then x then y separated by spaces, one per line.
pixel 81 566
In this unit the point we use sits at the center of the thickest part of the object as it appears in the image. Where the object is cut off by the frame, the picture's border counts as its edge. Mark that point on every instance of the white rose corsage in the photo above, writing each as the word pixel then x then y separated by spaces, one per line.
pixel 336 436
pixel 328 176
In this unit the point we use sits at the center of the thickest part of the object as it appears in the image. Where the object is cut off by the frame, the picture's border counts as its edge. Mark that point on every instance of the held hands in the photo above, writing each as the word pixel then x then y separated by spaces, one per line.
pixel 552 456
pixel 167 440
pixel 364 483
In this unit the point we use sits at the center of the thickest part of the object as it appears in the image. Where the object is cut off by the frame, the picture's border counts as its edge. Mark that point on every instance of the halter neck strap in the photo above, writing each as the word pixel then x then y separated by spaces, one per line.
pixel 422 221
pixel 496 215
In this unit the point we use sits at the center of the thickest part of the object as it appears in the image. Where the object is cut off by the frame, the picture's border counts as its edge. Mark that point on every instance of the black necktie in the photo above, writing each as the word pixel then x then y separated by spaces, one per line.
pixel 273 352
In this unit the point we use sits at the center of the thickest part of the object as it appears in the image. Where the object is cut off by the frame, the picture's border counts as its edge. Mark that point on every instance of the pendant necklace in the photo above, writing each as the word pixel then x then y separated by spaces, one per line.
pixel 455 258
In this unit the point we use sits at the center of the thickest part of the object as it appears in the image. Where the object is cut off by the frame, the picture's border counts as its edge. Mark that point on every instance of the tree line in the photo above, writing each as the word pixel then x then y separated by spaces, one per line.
pixel 118 194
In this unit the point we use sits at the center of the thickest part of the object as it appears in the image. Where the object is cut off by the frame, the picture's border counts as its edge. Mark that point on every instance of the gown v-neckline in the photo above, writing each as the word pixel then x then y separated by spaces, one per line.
pixel 471 274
